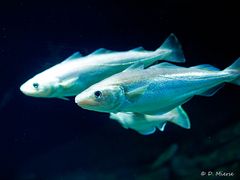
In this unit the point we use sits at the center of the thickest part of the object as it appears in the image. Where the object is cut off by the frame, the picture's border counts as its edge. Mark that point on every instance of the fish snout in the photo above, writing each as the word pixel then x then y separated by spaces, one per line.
pixel 77 99
pixel 24 90
pixel 28 90
pixel 83 100
pixel 21 88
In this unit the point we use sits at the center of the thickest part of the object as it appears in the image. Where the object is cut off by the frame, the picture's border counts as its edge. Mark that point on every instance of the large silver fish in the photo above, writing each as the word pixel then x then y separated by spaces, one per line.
pixel 77 73
pixel 157 89
pixel 147 124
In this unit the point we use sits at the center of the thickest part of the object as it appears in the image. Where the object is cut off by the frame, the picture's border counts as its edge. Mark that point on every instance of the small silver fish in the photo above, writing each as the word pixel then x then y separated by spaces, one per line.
pixel 157 89
pixel 147 124
pixel 77 73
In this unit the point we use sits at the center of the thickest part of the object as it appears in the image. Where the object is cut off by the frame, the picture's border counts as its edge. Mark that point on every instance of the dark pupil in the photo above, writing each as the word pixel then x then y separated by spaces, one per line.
pixel 35 85
pixel 97 94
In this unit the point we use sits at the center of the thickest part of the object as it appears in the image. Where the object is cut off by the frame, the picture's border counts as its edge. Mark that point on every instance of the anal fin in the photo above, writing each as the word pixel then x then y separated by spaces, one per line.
pixel 147 131
pixel 212 91
pixel 161 126
pixel 181 118
pixel 64 98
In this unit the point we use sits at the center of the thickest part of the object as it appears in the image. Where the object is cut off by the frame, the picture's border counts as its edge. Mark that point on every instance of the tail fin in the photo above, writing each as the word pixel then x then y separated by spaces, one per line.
pixel 181 118
pixel 174 49
pixel 235 69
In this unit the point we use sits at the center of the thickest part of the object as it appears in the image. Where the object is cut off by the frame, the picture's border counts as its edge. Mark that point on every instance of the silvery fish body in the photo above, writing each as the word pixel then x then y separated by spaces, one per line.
pixel 147 124
pixel 157 89
pixel 77 73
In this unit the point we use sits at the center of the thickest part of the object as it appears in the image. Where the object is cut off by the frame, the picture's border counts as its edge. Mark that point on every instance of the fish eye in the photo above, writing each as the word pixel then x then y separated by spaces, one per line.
pixel 35 85
pixel 98 94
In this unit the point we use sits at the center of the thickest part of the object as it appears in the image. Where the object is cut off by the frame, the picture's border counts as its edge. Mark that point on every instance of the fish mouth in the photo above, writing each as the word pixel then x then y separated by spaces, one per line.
pixel 82 102
pixel 29 92
pixel 25 91
pixel 21 88
pixel 77 99
pixel 85 102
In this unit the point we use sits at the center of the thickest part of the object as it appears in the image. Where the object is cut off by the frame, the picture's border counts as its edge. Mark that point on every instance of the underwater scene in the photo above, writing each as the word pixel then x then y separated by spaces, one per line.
pixel 119 90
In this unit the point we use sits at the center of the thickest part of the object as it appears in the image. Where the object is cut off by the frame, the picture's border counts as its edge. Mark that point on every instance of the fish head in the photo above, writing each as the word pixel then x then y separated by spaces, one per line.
pixel 40 86
pixel 101 98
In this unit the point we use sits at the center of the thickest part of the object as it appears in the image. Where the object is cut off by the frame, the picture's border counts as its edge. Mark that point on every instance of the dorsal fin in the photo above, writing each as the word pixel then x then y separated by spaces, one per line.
pixel 138 49
pixel 101 51
pixel 73 57
pixel 135 66
pixel 206 67
pixel 173 49
pixel 165 65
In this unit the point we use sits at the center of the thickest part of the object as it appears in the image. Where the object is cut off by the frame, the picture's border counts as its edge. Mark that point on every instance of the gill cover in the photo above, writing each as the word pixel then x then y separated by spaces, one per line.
pixel 102 99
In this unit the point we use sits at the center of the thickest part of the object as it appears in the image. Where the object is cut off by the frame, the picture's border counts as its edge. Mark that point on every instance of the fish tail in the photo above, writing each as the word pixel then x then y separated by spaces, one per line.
pixel 235 70
pixel 173 48
pixel 181 118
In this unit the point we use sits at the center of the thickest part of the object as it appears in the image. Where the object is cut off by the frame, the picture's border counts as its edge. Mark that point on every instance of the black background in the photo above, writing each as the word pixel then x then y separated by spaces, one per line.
pixel 36 35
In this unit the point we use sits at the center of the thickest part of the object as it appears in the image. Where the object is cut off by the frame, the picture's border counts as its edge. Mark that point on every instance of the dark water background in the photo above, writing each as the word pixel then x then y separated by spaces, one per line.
pixel 44 139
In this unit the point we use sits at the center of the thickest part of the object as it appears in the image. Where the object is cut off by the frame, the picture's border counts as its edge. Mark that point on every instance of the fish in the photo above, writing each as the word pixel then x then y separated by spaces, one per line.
pixel 78 72
pixel 147 124
pixel 157 89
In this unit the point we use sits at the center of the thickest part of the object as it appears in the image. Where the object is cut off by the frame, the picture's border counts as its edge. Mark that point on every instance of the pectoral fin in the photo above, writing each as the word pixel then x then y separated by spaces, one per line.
pixel 136 93
pixel 68 83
